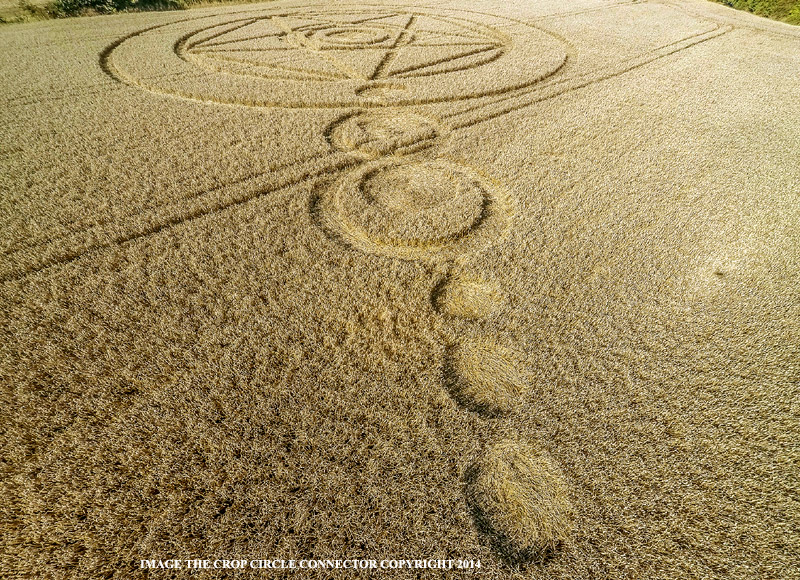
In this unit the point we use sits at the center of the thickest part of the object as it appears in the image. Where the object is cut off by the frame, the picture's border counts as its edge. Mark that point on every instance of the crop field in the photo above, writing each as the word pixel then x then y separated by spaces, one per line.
pixel 508 284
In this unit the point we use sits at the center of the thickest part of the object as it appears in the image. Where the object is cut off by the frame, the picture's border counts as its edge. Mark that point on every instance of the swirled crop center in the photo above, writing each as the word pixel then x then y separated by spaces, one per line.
pixel 410 203
pixel 337 56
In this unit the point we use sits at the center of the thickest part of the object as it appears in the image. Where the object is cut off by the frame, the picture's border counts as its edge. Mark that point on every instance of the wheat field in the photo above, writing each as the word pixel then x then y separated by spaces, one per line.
pixel 508 282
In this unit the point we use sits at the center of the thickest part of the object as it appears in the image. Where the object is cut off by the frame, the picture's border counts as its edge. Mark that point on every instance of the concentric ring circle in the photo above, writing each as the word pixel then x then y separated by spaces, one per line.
pixel 353 36
pixel 415 209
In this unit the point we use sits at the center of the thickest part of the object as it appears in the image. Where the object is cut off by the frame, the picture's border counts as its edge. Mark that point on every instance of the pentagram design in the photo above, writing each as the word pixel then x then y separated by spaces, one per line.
pixel 337 57
pixel 331 46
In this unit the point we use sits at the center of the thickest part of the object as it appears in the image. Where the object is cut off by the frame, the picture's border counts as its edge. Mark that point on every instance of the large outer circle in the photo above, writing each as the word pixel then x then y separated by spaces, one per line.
pixel 165 59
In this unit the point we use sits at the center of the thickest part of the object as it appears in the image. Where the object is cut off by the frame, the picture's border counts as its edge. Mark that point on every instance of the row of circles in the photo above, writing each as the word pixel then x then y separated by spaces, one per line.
pixel 436 209
pixel 395 203
pixel 404 207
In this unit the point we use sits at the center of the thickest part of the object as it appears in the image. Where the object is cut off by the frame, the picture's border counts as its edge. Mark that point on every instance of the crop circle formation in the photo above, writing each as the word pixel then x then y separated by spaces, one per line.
pixel 383 132
pixel 521 495
pixel 335 57
pixel 414 209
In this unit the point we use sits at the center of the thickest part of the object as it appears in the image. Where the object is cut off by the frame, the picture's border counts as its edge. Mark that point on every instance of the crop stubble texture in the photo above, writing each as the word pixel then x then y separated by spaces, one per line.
pixel 316 280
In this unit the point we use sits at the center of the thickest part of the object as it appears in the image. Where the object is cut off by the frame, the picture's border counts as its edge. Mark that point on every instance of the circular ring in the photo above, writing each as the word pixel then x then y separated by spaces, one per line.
pixel 415 209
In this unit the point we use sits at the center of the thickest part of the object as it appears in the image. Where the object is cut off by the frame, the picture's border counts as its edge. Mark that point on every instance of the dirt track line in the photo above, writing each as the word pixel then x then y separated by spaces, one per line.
pixel 239 24
pixel 587 11
pixel 308 74
pixel 556 88
pixel 494 99
pixel 207 47
pixel 66 250
pixel 739 19
pixel 27 246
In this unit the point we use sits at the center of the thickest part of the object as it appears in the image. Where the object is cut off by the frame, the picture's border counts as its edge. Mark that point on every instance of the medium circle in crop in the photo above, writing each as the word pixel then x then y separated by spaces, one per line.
pixel 415 209
pixel 376 133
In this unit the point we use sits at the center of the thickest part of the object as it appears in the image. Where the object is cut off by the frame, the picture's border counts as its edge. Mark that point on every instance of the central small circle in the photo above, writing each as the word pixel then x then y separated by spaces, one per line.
pixel 353 36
